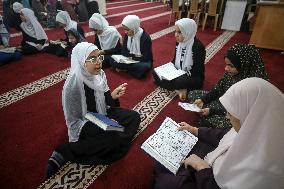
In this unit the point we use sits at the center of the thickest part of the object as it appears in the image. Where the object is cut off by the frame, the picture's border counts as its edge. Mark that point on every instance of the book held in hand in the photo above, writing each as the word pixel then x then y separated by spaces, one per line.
pixel 123 59
pixel 189 107
pixel 169 146
pixel 104 122
pixel 168 71
pixel 58 42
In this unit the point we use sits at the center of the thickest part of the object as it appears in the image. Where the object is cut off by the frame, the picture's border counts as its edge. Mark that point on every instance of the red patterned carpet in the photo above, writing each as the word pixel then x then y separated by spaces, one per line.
pixel 32 121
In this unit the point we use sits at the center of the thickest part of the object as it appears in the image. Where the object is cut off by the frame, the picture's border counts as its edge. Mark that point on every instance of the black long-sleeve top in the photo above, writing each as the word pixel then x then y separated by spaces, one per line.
pixel 198 56
pixel 115 50
pixel 145 48
pixel 217 91
pixel 91 103
pixel 28 38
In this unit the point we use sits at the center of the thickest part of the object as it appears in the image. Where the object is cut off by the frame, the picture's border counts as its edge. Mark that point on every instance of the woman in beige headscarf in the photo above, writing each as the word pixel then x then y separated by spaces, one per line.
pixel 249 155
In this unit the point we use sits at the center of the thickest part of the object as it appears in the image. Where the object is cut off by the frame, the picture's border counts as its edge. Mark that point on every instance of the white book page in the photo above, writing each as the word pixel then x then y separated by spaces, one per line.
pixel 189 107
pixel 8 50
pixel 123 59
pixel 168 145
pixel 168 71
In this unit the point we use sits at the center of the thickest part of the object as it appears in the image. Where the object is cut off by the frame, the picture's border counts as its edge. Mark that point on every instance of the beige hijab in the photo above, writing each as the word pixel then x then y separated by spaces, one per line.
pixel 254 157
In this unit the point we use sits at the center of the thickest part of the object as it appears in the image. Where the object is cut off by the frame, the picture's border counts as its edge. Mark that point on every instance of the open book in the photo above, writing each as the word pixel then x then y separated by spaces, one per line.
pixel 104 122
pixel 168 71
pixel 123 59
pixel 190 107
pixel 169 146
pixel 8 50
pixel 58 42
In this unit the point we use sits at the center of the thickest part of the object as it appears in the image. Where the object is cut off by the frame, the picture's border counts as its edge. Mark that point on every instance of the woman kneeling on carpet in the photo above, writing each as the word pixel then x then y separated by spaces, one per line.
pixel 241 61
pixel 247 156
pixel 86 90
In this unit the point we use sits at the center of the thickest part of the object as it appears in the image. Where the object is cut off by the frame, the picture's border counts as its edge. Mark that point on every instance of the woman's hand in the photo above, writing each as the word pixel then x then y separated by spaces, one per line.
pixel 199 103
pixel 195 162
pixel 102 52
pixel 187 127
pixel 119 91
pixel 39 47
pixel 205 111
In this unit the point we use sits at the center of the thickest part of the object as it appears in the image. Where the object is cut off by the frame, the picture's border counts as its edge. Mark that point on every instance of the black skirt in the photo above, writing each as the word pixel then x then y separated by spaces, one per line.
pixel 96 146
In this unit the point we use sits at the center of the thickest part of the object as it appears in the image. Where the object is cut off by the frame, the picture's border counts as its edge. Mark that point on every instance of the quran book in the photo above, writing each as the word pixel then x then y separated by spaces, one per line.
pixel 168 71
pixel 8 50
pixel 104 122
pixel 189 107
pixel 57 42
pixel 169 146
pixel 123 59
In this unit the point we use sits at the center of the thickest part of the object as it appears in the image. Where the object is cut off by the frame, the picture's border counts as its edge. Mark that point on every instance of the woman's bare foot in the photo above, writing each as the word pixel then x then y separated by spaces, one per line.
pixel 182 93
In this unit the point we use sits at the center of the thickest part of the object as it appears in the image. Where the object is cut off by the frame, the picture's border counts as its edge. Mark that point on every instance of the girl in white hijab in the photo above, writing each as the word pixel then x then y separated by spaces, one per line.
pixel 86 90
pixel 137 45
pixel 107 37
pixel 4 34
pixel 34 37
pixel 17 7
pixel 189 57
pixel 64 21
pixel 249 155
pixel 15 20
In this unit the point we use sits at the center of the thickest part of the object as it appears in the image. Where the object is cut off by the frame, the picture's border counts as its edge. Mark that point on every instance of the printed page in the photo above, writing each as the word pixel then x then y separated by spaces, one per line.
pixel 189 107
pixel 168 71
pixel 8 50
pixel 123 59
pixel 168 145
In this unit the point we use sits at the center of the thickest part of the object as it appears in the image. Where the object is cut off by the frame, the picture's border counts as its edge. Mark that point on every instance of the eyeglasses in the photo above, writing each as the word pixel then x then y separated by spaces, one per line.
pixel 94 59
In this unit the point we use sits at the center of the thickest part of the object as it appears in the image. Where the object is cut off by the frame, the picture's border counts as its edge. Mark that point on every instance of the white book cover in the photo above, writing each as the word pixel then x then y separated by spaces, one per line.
pixel 169 146
pixel 123 59
pixel 168 71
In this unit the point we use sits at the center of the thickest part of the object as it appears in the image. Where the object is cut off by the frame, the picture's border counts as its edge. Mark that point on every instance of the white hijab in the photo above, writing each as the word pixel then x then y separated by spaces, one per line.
pixel 17 7
pixel 4 35
pixel 64 18
pixel 254 159
pixel 31 26
pixel 110 36
pixel 188 30
pixel 133 43
pixel 73 95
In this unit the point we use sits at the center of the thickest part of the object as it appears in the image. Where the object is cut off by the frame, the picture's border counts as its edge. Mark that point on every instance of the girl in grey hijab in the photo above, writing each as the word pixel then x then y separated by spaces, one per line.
pixel 34 37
